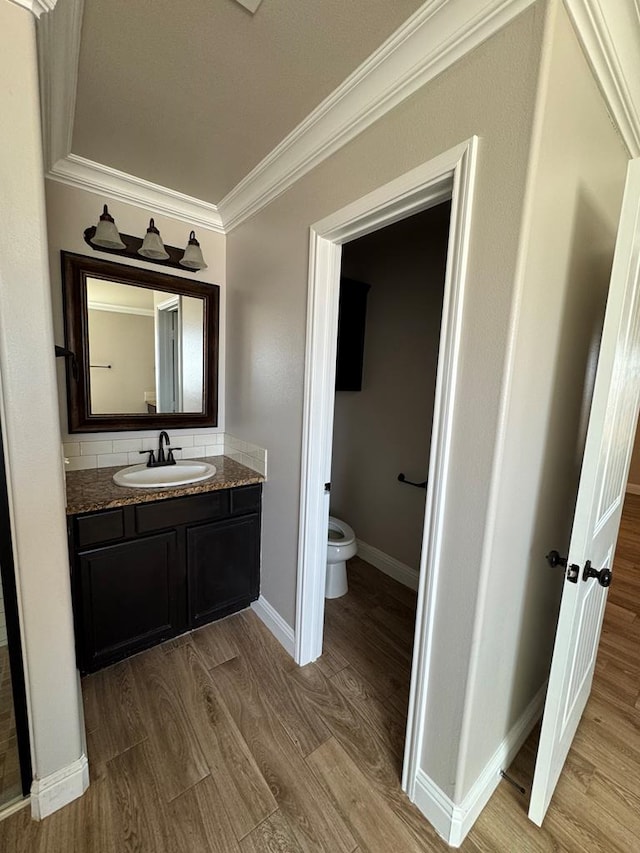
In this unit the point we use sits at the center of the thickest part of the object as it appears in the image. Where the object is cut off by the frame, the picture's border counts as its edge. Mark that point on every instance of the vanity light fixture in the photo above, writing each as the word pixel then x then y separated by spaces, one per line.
pixel 152 245
pixel 193 255
pixel 107 235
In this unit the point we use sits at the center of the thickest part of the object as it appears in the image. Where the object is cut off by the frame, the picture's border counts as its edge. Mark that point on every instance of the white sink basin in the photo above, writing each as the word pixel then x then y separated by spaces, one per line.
pixel 181 474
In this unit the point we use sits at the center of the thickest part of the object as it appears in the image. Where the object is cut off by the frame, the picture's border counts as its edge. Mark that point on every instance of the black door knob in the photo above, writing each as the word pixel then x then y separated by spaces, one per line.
pixel 603 576
pixel 554 559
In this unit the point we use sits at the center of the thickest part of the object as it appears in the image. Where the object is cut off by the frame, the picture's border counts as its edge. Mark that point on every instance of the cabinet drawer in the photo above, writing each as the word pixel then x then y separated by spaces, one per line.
pixel 170 513
pixel 99 527
pixel 246 499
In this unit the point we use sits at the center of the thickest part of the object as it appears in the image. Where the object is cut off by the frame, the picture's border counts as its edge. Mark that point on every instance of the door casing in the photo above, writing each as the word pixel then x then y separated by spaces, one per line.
pixel 451 175
pixel 168 344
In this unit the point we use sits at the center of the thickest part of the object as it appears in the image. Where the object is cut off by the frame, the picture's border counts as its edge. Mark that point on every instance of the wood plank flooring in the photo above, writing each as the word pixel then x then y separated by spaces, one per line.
pixel 596 806
pixel 9 767
pixel 217 743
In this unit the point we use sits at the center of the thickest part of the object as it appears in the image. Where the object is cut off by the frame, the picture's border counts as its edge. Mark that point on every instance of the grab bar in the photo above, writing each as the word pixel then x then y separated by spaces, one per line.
pixel 403 479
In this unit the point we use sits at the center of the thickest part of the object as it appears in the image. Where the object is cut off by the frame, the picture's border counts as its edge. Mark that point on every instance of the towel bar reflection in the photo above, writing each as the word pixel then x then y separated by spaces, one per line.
pixel 403 479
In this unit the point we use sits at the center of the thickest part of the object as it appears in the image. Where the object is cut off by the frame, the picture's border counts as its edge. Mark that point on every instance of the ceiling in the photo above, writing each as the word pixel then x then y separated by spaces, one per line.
pixel 193 95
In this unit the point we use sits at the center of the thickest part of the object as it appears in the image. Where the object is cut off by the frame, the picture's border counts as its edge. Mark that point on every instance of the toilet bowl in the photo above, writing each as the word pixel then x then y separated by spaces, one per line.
pixel 341 546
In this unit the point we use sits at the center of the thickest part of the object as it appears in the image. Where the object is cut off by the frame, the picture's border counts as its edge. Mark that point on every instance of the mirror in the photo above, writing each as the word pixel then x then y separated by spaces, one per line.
pixel 145 349
pixel 145 344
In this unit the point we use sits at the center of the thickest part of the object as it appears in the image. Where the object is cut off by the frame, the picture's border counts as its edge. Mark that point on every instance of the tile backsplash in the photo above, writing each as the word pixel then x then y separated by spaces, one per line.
pixel 83 453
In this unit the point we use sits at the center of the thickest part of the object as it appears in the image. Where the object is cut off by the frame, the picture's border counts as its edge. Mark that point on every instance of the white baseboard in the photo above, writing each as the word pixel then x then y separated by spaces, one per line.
pixel 59 789
pixel 452 821
pixel 489 779
pixel 275 623
pixel 389 565
pixel 435 805
pixel 632 489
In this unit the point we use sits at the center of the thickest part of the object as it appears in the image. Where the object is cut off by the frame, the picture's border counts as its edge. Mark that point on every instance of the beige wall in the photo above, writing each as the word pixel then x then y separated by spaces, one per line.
pixel 69 212
pixel 491 93
pixel 386 427
pixel 126 342
pixel 29 411
pixel 574 198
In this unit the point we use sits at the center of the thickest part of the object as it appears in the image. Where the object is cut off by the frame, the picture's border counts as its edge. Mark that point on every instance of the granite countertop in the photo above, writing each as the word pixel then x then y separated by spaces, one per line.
pixel 92 490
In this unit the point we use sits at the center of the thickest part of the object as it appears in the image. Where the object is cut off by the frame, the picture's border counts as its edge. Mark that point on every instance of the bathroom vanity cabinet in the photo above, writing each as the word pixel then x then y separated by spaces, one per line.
pixel 146 572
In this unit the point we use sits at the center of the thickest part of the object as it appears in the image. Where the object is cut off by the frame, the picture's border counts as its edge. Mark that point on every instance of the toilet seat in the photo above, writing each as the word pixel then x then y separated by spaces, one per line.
pixel 341 546
pixel 339 532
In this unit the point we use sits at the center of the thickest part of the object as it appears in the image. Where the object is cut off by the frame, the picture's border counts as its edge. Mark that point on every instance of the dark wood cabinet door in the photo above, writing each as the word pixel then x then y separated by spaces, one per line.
pixel 129 596
pixel 223 565
pixel 145 573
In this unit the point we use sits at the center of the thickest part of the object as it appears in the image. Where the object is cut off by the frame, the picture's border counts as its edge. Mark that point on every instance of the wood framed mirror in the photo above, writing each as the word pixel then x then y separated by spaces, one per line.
pixel 144 344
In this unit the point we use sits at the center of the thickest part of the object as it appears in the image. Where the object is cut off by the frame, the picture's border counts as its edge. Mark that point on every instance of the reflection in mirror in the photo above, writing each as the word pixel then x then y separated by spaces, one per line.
pixel 145 349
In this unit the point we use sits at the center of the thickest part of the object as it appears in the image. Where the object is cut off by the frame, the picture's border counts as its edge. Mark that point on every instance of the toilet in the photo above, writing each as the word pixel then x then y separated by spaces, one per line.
pixel 341 546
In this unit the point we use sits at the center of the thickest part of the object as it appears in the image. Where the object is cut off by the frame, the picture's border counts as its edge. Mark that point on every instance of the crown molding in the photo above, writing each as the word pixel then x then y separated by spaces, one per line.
pixel 59 51
pixel 435 37
pixel 609 31
pixel 92 305
pixel 36 7
pixel 440 33
pixel 111 183
pixel 58 56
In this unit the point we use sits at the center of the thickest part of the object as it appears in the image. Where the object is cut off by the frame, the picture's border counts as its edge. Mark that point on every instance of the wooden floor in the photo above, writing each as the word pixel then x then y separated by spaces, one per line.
pixel 596 806
pixel 9 768
pixel 217 742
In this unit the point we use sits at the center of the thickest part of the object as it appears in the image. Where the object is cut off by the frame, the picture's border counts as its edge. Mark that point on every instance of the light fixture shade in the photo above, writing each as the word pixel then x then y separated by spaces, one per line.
pixel 107 234
pixel 152 246
pixel 192 257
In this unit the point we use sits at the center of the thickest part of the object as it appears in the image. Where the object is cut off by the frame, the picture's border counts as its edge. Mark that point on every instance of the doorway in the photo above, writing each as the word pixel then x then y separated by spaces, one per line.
pixel 449 176
pixel 168 355
pixel 391 299
pixel 387 362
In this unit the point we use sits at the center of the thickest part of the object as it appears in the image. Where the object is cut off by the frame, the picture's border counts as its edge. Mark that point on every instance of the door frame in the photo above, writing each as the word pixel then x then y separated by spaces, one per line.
pixel 451 175
pixel 169 357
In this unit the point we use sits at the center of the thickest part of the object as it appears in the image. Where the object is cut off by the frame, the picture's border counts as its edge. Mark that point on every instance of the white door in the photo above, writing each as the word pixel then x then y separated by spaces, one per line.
pixel 614 413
